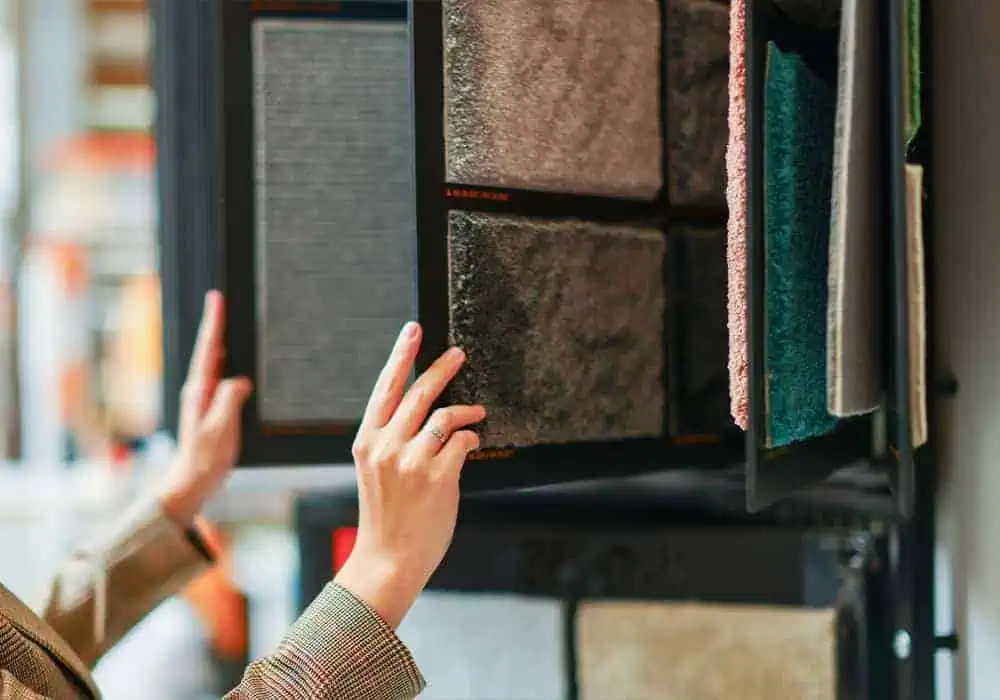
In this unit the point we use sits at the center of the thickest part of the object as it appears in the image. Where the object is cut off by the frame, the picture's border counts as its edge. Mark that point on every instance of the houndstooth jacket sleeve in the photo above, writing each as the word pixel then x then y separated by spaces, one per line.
pixel 339 649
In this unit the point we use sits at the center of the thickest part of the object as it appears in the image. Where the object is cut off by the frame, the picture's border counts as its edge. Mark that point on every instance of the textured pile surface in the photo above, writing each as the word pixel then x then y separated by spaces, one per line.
pixel 335 232
pixel 918 304
pixel 700 397
pixel 911 61
pixel 487 647
pixel 562 323
pixel 681 651
pixel 799 125
pixel 697 74
pixel 556 96
pixel 736 231
pixel 854 368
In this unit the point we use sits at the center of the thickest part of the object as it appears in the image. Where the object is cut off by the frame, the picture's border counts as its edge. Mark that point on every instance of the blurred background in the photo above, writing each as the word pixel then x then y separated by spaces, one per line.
pixel 80 335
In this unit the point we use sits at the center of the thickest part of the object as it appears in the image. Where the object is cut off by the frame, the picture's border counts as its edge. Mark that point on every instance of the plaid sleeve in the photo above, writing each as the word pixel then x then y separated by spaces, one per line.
pixel 339 649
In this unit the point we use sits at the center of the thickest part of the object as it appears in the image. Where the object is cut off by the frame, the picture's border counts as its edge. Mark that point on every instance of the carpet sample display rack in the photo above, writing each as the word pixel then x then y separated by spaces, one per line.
pixel 863 481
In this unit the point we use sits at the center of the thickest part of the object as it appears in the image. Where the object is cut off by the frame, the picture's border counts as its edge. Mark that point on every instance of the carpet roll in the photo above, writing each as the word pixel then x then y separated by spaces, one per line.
pixel 700 399
pixel 697 69
pixel 854 320
pixel 554 96
pixel 562 324
pixel 336 236
pixel 691 651
pixel 799 128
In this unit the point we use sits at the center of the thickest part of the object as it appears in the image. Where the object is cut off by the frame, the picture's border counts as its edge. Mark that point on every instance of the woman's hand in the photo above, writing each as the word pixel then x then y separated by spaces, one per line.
pixel 209 430
pixel 408 473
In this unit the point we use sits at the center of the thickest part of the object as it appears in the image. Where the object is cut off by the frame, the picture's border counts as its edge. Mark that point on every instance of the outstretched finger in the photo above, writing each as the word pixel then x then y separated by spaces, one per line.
pixel 392 380
pixel 442 424
pixel 415 406
pixel 204 367
pixel 227 403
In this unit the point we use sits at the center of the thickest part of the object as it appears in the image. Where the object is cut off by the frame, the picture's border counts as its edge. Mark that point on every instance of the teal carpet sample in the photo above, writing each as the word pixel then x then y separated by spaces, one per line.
pixel 800 108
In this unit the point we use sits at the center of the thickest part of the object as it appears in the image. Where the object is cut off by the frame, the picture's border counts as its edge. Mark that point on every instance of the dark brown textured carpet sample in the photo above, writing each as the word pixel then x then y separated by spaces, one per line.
pixel 335 232
pixel 562 323
pixel 697 101
pixel 700 401
pixel 554 96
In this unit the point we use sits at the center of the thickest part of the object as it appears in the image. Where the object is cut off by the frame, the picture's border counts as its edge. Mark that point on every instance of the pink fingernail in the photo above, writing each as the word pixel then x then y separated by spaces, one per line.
pixel 410 331
pixel 456 354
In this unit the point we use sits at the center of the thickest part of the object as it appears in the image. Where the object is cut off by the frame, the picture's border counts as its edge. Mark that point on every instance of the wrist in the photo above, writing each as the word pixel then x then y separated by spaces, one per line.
pixel 180 507
pixel 390 590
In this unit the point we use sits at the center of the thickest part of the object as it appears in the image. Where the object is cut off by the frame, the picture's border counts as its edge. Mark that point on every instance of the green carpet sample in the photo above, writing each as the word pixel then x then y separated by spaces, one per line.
pixel 912 72
pixel 799 127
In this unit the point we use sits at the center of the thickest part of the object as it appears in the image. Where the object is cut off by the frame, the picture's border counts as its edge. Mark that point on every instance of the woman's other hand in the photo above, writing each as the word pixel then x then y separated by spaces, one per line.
pixel 408 469
pixel 209 428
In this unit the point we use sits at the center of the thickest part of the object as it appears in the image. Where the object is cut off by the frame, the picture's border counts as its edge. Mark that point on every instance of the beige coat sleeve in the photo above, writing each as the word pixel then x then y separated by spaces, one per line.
pixel 110 585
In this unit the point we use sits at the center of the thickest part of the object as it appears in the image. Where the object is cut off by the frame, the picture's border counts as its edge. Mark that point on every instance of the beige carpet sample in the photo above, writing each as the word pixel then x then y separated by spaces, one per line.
pixel 554 96
pixel 854 370
pixel 916 283
pixel 692 651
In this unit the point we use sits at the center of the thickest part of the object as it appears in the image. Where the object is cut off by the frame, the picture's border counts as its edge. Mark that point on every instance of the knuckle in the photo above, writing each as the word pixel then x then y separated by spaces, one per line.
pixel 360 449
pixel 410 462
pixel 443 419
pixel 384 456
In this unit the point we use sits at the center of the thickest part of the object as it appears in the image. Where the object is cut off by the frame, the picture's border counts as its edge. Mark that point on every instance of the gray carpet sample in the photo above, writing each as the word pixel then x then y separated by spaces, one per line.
pixel 335 232
pixel 554 96
pixel 697 101
pixel 700 394
pixel 854 341
pixel 562 323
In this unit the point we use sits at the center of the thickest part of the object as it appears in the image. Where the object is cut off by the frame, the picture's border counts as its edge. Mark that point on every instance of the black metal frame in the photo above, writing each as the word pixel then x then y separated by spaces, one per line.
pixel 889 539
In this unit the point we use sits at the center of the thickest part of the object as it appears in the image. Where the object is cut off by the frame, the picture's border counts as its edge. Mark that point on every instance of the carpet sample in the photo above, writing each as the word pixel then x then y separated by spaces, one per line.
pixel 697 70
pixel 561 97
pixel 521 657
pixel 692 651
pixel 700 398
pixel 916 282
pixel 562 324
pixel 335 236
pixel 799 109
pixel 911 71
pixel 854 341
pixel 736 228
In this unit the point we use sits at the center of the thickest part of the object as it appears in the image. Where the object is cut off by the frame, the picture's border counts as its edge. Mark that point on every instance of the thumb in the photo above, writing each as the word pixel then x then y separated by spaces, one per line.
pixel 229 398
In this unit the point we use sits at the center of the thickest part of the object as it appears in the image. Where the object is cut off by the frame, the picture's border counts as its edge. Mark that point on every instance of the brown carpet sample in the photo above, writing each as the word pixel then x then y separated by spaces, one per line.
pixel 918 303
pixel 335 234
pixel 554 96
pixel 700 398
pixel 697 101
pixel 562 323
pixel 690 651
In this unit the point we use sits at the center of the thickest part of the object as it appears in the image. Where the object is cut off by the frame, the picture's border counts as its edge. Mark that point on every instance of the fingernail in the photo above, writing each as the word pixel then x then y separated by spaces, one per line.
pixel 410 331
pixel 456 355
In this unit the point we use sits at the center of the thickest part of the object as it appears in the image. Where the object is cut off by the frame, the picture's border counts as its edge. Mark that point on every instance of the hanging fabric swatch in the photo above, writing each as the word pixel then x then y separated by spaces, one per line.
pixel 854 372
pixel 911 71
pixel 736 232
pixel 917 303
pixel 799 108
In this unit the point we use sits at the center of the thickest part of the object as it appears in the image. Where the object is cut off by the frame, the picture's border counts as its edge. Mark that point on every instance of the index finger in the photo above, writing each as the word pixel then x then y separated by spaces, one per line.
pixel 207 348
pixel 391 381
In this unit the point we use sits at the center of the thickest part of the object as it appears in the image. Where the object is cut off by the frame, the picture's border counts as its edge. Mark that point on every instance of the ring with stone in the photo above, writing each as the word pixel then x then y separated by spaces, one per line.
pixel 436 432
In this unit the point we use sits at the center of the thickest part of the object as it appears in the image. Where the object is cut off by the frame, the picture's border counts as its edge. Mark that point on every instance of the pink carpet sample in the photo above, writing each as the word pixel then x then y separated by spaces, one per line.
pixel 736 198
